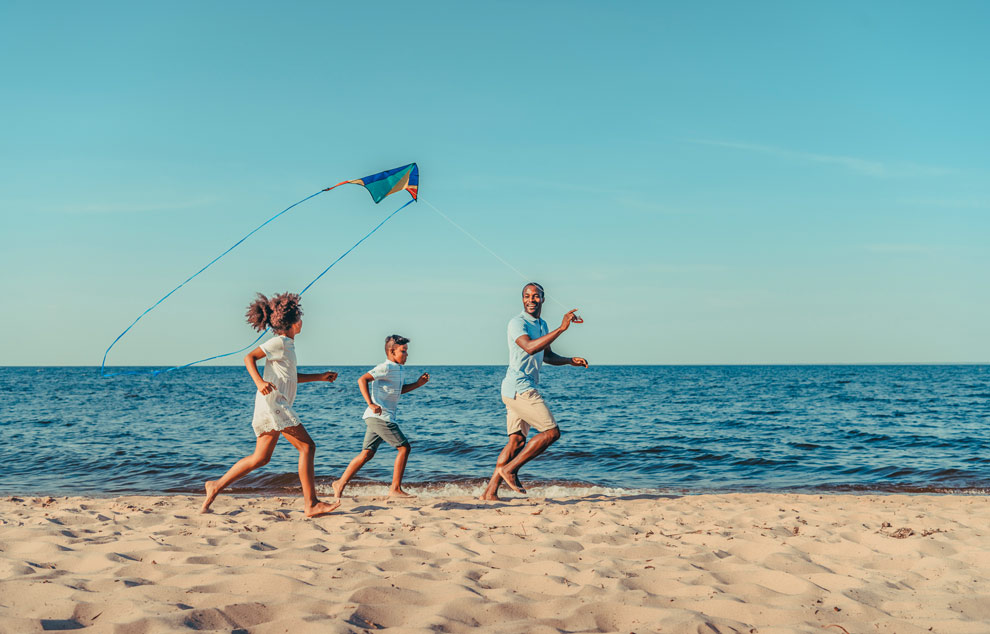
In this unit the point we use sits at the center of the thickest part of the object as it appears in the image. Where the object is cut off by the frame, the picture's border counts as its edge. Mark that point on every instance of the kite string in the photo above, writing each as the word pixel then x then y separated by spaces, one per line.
pixel 367 235
pixel 525 278
pixel 250 345
pixel 212 262
pixel 226 354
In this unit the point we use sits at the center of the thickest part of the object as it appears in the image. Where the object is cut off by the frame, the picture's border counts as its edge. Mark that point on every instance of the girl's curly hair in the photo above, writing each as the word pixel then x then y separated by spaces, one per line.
pixel 278 313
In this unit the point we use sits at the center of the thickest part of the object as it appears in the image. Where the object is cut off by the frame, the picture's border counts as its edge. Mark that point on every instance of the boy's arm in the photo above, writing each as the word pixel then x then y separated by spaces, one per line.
pixel 251 362
pixel 363 384
pixel 329 377
pixel 423 380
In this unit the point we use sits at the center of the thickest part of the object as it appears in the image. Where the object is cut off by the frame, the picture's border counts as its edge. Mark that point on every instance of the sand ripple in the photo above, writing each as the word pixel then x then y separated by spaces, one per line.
pixel 708 563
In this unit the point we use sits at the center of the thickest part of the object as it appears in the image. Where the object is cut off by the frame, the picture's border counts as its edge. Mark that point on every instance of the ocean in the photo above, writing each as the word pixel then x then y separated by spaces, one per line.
pixel 680 429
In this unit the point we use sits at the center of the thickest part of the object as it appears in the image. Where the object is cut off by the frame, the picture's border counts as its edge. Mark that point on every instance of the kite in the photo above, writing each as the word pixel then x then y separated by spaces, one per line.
pixel 387 183
pixel 380 186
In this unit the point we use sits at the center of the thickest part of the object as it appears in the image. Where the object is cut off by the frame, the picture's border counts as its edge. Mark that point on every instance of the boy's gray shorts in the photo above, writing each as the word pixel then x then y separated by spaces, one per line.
pixel 379 430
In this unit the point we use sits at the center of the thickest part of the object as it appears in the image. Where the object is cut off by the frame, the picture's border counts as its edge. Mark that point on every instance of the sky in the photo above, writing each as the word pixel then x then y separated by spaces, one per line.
pixel 709 183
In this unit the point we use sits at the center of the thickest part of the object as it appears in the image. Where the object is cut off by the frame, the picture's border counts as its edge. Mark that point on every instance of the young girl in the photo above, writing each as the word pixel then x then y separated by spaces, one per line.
pixel 273 413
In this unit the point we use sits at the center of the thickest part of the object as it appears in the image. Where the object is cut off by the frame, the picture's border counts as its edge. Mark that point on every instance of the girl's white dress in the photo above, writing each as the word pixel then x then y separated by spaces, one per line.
pixel 273 411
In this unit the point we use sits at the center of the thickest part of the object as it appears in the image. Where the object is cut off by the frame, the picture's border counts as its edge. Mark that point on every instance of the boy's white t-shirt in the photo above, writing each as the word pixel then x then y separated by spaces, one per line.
pixel 273 411
pixel 386 388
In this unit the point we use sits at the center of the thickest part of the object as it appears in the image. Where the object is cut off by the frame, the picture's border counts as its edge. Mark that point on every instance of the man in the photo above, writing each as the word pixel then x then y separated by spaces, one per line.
pixel 529 348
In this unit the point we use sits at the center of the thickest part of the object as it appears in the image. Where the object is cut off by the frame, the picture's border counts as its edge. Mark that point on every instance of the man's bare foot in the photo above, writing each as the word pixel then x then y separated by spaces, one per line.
pixel 211 494
pixel 489 497
pixel 399 493
pixel 337 489
pixel 511 479
pixel 322 508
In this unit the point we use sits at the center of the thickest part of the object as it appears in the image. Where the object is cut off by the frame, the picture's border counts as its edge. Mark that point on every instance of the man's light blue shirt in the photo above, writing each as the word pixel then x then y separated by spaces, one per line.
pixel 523 373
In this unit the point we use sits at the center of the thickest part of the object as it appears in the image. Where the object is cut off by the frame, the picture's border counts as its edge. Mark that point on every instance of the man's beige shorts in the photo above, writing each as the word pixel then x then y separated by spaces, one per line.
pixel 527 410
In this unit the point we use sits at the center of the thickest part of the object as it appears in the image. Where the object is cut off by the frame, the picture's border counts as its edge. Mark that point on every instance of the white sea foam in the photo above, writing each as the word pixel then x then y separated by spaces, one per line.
pixel 458 489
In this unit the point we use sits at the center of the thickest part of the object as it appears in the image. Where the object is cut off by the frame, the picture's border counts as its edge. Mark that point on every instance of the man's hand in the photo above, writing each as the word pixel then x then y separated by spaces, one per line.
pixel 424 378
pixel 569 318
pixel 266 387
pixel 375 408
pixel 329 377
pixel 579 362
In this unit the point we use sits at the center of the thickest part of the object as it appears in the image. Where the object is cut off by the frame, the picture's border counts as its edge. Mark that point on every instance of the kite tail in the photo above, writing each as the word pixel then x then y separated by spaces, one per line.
pixel 104 363
pixel 261 336
pixel 219 356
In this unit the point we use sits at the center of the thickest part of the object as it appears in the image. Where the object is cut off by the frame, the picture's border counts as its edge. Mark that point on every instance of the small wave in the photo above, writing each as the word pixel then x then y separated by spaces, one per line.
pixel 894 414
pixel 760 462
pixel 867 436
pixel 709 457
pixel 437 490
pixel 895 489
pixel 288 484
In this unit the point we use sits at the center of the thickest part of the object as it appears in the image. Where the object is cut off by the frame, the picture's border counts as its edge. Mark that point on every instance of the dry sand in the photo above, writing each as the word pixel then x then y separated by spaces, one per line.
pixel 640 563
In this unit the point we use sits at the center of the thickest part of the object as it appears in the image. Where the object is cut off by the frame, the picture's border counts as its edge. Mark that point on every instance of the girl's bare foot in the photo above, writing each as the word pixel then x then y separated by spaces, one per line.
pixel 211 494
pixel 399 493
pixel 489 497
pixel 337 488
pixel 322 508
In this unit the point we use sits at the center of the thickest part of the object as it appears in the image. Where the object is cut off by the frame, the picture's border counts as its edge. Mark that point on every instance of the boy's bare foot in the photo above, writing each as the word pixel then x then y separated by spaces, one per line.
pixel 322 508
pixel 399 493
pixel 511 479
pixel 211 494
pixel 489 497
pixel 337 489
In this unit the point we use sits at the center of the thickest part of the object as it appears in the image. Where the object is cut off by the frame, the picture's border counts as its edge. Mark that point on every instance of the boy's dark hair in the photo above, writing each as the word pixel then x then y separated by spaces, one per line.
pixel 394 340
pixel 279 313
pixel 537 285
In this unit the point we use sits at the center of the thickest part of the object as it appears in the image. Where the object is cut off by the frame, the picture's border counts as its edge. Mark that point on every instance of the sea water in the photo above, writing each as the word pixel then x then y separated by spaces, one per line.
pixel 900 428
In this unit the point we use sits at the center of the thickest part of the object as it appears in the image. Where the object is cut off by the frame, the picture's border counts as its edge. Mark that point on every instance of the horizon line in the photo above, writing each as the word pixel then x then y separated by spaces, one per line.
pixel 494 365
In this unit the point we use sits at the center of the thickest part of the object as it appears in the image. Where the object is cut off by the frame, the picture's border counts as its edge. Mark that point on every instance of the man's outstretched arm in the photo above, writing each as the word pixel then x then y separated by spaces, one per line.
pixel 532 346
pixel 552 358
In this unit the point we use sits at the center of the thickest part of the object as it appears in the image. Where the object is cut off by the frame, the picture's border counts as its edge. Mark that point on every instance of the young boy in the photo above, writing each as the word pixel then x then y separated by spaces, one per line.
pixel 383 400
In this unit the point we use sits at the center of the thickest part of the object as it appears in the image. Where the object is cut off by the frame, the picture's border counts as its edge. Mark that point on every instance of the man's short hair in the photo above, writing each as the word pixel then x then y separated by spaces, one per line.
pixel 392 341
pixel 537 285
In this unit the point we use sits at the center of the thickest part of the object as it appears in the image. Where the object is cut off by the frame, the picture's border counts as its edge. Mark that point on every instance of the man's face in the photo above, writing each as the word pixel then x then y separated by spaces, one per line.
pixel 532 300
pixel 399 354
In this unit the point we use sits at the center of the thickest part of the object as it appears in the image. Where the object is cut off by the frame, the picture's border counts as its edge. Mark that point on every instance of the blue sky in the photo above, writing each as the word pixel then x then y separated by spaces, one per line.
pixel 708 182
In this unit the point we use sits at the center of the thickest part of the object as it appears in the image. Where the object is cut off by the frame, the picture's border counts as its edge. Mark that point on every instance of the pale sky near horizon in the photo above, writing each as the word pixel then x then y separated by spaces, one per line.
pixel 723 182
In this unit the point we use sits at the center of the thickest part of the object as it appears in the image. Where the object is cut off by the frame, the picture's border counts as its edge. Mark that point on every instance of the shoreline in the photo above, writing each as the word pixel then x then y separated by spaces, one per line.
pixel 537 489
pixel 728 562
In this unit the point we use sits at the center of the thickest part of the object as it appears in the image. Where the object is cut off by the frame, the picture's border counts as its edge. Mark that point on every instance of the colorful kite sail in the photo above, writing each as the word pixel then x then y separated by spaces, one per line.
pixel 378 185
pixel 387 183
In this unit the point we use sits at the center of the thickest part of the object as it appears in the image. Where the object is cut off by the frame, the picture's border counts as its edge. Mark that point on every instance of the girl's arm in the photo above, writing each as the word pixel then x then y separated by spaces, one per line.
pixel 251 361
pixel 329 377
pixel 363 384
pixel 409 387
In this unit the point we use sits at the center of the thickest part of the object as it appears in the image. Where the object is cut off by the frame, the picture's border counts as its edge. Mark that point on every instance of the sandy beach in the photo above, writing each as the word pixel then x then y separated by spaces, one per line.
pixel 639 563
